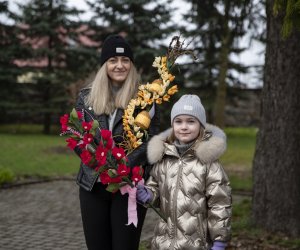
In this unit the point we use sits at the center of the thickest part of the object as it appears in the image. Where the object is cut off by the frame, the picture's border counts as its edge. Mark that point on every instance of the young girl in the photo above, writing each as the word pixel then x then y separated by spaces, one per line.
pixel 188 181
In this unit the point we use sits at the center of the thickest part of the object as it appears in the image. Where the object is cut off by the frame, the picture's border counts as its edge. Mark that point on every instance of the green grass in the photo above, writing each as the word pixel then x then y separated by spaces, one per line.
pixel 238 157
pixel 27 152
pixel 240 147
pixel 22 129
pixel 241 215
pixel 240 183
pixel 37 155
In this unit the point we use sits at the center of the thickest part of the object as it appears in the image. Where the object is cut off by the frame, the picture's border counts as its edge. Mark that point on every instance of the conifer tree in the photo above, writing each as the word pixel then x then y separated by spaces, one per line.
pixel 145 23
pixel 54 53
pixel 216 28
pixel 9 48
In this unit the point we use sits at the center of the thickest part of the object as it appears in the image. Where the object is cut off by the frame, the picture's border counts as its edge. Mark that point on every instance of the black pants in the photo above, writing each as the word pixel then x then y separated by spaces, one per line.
pixel 104 217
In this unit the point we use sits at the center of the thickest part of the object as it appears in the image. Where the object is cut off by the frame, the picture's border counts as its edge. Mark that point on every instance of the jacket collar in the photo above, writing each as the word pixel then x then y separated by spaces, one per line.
pixel 207 150
pixel 103 119
pixel 119 116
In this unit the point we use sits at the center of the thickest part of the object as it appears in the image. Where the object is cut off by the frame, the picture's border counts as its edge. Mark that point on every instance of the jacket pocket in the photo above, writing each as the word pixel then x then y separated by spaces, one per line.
pixel 86 177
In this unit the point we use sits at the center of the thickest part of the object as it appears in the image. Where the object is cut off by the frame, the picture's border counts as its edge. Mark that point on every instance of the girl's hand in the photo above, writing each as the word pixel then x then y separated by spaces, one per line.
pixel 219 245
pixel 143 194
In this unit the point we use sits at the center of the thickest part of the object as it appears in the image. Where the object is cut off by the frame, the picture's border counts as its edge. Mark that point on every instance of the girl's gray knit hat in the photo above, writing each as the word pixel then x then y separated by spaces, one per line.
pixel 189 105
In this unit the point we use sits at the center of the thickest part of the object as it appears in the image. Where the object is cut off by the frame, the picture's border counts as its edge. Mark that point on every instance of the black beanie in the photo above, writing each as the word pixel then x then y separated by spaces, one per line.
pixel 115 45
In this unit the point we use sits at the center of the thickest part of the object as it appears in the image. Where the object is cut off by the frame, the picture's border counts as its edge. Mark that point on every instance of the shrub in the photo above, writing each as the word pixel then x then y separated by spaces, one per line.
pixel 6 176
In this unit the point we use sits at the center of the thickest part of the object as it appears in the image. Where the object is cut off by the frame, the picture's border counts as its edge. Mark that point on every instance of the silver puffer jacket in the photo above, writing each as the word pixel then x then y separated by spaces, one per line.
pixel 193 192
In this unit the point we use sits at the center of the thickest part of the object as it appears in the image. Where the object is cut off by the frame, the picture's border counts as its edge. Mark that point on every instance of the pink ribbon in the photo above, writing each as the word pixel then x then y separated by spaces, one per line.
pixel 132 212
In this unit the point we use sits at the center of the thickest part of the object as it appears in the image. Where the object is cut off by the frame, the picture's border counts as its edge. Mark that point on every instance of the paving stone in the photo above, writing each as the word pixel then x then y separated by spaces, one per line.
pixel 47 216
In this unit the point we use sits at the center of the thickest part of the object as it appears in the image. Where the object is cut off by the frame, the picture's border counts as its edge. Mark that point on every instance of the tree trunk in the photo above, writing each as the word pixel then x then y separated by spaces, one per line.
pixel 219 110
pixel 219 117
pixel 276 166
pixel 46 108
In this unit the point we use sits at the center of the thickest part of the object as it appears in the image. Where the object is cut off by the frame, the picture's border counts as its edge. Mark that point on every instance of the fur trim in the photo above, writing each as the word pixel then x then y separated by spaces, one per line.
pixel 211 149
pixel 208 150
pixel 156 148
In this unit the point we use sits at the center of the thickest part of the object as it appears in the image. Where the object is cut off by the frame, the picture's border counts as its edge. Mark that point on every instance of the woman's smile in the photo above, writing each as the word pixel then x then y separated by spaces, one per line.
pixel 118 68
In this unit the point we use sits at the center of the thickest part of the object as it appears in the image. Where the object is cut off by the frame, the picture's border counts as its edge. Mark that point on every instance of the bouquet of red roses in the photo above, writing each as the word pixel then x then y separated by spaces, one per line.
pixel 105 158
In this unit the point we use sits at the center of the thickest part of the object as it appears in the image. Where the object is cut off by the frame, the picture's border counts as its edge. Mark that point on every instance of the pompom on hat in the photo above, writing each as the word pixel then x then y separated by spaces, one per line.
pixel 189 105
pixel 115 45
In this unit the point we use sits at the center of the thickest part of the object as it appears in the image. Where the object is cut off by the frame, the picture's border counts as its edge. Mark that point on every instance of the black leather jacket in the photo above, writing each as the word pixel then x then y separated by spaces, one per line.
pixel 87 177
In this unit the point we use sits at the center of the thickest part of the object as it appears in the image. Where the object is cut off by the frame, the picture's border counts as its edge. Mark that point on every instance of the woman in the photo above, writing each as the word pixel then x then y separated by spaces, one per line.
pixel 188 180
pixel 104 214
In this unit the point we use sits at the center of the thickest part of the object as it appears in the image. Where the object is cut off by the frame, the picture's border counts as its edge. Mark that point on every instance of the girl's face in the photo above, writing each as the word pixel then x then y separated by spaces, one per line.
pixel 118 68
pixel 186 128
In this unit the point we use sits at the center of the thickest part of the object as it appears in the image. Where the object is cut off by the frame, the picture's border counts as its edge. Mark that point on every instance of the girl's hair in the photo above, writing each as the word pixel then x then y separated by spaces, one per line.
pixel 171 138
pixel 101 97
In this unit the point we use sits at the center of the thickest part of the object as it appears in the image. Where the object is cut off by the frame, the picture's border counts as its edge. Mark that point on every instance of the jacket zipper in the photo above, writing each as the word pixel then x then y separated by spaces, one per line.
pixel 175 205
pixel 201 227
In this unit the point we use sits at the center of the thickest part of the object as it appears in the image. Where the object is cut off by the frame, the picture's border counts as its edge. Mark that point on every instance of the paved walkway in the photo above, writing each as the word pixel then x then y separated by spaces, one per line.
pixel 46 216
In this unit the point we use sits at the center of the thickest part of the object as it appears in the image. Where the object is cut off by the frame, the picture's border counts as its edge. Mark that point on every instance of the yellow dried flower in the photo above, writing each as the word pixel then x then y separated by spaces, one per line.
pixel 139 135
pixel 156 62
pixel 172 90
pixel 171 78
pixel 127 128
pixel 158 101
pixel 166 98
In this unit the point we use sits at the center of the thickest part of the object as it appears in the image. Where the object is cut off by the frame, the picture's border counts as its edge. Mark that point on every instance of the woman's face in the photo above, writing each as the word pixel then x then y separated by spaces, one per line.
pixel 186 128
pixel 118 68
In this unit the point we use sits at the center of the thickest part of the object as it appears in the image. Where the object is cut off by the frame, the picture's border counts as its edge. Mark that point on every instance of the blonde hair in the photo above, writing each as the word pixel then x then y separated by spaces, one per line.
pixel 101 97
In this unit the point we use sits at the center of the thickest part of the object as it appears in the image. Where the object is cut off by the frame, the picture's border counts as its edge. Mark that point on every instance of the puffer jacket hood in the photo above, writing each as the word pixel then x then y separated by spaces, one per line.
pixel 192 190
pixel 209 150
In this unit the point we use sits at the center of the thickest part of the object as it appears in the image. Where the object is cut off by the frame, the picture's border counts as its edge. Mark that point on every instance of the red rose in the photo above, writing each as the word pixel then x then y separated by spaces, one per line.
pixel 87 139
pixel 72 143
pixel 106 134
pixel 118 153
pixel 64 122
pixel 101 154
pixel 116 180
pixel 87 125
pixel 109 143
pixel 105 178
pixel 137 170
pixel 136 178
pixel 123 170
pixel 86 157
pixel 137 173
pixel 79 114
